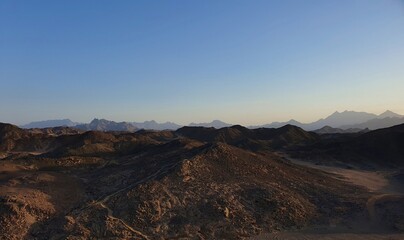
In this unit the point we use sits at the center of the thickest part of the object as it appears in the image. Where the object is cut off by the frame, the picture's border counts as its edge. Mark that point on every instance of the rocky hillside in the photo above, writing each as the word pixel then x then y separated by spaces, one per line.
pixel 229 183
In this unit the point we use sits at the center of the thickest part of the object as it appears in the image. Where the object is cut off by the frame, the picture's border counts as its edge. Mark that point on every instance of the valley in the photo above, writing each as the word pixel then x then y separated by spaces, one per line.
pixel 372 225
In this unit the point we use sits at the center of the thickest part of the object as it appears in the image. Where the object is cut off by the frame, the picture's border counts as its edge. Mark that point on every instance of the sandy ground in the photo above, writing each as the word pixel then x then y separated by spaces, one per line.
pixel 374 181
pixel 371 228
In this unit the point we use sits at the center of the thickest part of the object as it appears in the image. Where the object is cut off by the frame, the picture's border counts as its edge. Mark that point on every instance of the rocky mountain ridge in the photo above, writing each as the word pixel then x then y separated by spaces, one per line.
pixel 343 120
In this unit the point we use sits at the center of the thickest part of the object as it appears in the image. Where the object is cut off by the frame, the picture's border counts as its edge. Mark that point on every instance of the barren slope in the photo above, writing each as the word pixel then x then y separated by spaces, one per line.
pixel 192 183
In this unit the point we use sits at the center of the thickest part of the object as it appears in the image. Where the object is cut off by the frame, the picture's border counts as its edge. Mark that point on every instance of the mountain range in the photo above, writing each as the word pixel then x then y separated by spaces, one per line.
pixel 51 123
pixel 346 121
pixel 153 125
pixel 105 125
pixel 196 182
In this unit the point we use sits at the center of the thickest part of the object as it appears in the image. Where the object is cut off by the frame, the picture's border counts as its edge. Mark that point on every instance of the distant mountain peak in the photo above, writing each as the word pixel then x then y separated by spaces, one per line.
pixel 50 123
pixel 106 125
pixel 293 122
pixel 347 120
pixel 390 114
pixel 215 123
pixel 154 125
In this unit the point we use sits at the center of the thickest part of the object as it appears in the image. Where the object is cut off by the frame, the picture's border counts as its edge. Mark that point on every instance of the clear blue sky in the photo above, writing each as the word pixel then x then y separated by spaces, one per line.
pixel 245 62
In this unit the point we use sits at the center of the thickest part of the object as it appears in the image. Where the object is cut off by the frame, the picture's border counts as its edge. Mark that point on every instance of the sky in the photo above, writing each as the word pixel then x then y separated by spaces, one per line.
pixel 243 62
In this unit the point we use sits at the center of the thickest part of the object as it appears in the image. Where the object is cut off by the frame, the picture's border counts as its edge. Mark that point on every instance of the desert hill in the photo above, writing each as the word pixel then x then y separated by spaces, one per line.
pixel 192 192
pixel 195 182
pixel 15 139
pixel 331 130
pixel 238 136
pixel 8 135
pixel 383 147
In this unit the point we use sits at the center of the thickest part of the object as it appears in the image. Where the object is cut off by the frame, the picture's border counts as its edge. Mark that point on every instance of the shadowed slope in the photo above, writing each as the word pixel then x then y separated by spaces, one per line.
pixel 254 139
pixel 384 147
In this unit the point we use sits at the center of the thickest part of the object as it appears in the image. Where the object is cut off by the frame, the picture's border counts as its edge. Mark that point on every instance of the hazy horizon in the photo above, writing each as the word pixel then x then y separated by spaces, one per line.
pixel 242 62
pixel 197 122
